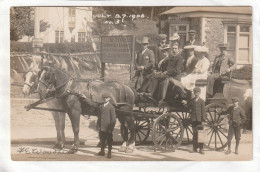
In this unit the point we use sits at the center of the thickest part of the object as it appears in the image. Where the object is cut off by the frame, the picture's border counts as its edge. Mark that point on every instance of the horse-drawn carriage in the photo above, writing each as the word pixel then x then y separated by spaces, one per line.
pixel 169 125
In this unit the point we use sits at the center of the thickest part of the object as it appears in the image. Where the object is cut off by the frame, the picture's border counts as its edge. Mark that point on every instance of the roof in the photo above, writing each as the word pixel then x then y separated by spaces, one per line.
pixel 216 9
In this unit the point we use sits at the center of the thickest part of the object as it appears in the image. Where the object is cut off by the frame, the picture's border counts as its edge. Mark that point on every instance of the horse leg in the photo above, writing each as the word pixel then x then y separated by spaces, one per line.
pixel 124 134
pixel 131 126
pixel 62 128
pixel 55 116
pixel 74 113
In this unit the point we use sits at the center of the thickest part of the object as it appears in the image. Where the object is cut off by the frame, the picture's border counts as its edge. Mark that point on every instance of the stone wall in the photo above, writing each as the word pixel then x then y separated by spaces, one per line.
pixel 214 36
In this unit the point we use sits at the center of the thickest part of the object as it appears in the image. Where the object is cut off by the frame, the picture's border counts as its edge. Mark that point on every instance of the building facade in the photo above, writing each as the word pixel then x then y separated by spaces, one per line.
pixel 67 24
pixel 214 26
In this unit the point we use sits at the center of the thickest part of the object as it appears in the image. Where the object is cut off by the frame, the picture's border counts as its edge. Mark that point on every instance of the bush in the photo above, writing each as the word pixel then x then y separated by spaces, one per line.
pixel 244 73
pixel 62 48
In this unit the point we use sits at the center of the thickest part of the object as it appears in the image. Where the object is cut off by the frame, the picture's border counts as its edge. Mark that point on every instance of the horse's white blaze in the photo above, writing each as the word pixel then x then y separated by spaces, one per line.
pixel 26 87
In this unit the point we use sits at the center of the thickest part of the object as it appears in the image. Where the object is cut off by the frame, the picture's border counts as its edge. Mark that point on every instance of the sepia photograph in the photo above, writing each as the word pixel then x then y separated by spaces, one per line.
pixel 131 83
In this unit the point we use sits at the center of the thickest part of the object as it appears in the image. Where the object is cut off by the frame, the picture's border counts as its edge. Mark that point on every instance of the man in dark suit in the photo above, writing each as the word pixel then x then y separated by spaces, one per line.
pixel 145 62
pixel 198 115
pixel 106 123
pixel 222 66
pixel 192 41
pixel 236 118
pixel 174 66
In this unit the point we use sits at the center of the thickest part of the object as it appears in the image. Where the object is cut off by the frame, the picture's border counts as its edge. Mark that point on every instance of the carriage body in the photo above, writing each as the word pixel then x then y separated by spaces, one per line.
pixel 170 126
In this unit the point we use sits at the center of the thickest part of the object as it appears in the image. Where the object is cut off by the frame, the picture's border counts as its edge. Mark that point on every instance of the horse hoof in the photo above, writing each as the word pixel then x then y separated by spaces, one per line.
pixel 122 149
pixel 129 150
pixel 72 151
pixel 58 146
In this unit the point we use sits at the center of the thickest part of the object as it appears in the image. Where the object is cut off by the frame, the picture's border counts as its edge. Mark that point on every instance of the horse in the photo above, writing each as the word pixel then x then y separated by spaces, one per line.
pixel 57 81
pixel 30 83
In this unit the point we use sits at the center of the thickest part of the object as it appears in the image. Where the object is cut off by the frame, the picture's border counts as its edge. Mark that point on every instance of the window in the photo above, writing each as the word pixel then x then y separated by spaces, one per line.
pixel 81 36
pixel 238 37
pixel 59 36
pixel 72 17
pixel 182 30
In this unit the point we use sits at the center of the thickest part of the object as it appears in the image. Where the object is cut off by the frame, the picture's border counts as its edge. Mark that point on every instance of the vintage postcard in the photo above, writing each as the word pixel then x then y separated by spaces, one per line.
pixel 122 83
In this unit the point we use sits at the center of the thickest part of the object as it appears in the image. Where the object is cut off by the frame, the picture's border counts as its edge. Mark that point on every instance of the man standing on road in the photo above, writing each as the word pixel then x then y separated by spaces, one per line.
pixel 198 115
pixel 236 118
pixel 106 123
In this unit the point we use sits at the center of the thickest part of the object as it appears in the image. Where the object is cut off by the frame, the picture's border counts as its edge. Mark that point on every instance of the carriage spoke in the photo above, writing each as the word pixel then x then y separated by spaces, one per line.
pixel 161 126
pixel 210 116
pixel 222 133
pixel 162 141
pixel 142 133
pixel 173 139
pixel 179 115
pixel 187 134
pixel 160 137
pixel 178 134
pixel 190 130
pixel 139 136
pixel 220 138
pixel 210 137
pixel 215 139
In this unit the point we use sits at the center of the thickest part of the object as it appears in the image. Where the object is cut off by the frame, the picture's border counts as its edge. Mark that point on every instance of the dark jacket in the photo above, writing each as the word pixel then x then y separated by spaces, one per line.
pixel 174 65
pixel 237 116
pixel 147 60
pixel 198 112
pixel 226 62
pixel 189 43
pixel 107 118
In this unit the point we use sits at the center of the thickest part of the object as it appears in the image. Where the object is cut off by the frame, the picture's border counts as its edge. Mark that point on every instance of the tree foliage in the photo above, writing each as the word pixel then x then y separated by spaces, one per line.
pixel 22 23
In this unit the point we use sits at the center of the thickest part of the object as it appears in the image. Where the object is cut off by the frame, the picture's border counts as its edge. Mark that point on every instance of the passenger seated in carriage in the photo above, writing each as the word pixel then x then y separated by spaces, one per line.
pixel 200 71
pixel 222 67
pixel 144 63
pixel 190 59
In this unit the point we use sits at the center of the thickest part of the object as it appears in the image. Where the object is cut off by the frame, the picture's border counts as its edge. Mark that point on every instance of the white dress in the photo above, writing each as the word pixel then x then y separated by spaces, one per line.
pixel 200 72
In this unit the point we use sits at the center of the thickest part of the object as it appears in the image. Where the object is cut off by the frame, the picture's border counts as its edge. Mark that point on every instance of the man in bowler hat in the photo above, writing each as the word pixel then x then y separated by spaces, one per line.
pixel 237 117
pixel 198 116
pixel 106 123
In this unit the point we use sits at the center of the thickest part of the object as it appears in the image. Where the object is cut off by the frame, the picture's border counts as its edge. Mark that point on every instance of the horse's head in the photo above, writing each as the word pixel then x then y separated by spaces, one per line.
pixel 46 81
pixel 30 82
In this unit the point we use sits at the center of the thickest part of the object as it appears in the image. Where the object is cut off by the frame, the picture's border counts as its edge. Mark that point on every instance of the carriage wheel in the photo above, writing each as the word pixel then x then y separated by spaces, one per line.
pixel 187 127
pixel 167 132
pixel 217 126
pixel 142 130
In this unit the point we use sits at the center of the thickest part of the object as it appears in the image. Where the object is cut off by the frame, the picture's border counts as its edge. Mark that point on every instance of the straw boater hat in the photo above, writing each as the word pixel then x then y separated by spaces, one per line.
pixel 162 36
pixel 201 49
pixel 190 47
pixel 174 37
pixel 166 47
pixel 145 40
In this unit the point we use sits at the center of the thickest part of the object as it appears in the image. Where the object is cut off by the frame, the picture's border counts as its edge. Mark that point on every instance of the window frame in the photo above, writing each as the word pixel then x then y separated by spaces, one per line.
pixel 238 33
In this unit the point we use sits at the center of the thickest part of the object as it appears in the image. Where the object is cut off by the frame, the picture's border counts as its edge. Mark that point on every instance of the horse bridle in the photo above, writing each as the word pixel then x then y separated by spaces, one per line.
pixel 31 85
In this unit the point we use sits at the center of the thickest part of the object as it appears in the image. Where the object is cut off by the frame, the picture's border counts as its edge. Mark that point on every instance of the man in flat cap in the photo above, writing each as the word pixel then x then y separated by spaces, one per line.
pixel 145 63
pixel 237 117
pixel 192 39
pixel 106 123
pixel 222 66
pixel 198 116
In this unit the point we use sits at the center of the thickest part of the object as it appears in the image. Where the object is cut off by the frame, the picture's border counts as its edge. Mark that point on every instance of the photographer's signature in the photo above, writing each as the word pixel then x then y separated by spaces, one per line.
pixel 27 150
